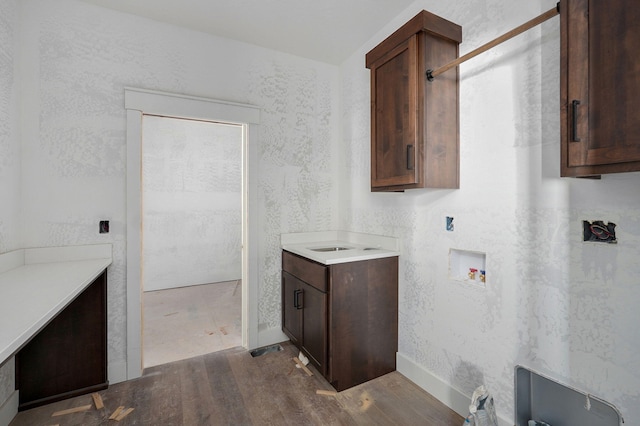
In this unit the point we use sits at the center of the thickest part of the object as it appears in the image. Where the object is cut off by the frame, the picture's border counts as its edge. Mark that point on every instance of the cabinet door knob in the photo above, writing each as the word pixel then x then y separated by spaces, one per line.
pixel 409 157
pixel 574 119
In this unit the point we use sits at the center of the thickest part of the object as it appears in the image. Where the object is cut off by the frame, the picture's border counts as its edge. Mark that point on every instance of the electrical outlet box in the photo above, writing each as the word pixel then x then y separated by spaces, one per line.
pixel 449 225
pixel 104 227
pixel 598 232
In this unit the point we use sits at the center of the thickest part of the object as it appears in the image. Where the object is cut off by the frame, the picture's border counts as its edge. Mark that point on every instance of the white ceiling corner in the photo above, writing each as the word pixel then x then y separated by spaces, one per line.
pixel 323 30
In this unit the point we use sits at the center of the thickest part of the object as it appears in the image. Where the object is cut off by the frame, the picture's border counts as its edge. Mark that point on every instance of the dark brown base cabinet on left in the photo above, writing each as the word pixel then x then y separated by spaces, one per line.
pixel 68 357
pixel 343 317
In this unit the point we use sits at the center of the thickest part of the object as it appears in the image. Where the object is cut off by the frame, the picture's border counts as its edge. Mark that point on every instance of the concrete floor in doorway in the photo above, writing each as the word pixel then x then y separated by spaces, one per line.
pixel 185 322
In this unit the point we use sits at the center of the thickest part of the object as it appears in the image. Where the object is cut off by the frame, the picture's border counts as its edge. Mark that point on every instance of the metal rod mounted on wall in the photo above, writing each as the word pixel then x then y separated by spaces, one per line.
pixel 432 74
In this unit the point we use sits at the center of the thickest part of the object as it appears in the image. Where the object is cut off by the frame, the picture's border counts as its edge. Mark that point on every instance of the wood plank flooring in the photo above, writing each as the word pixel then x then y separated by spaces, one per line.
pixel 233 388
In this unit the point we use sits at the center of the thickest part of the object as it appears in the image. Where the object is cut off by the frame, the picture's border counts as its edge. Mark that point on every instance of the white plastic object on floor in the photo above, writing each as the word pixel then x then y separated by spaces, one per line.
pixel 482 410
pixel 303 359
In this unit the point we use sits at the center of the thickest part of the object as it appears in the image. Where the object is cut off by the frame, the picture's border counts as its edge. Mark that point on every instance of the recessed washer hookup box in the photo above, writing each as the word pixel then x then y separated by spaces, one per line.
pixel 545 400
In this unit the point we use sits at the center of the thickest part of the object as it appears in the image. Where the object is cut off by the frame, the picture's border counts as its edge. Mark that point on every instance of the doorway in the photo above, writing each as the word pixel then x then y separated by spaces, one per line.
pixel 138 103
pixel 191 237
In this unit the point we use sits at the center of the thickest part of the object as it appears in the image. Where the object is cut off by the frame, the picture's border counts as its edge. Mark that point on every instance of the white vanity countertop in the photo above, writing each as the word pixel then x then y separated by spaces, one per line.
pixel 36 284
pixel 359 246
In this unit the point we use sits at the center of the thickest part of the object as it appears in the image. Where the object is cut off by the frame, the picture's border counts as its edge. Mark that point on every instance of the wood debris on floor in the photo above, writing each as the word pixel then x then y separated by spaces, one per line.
pixel 72 410
pixel 97 400
pixel 304 367
pixel 326 392
pixel 120 413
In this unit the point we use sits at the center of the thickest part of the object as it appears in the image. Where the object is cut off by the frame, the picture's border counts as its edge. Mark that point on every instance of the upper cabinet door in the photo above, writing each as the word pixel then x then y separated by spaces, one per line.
pixel 600 85
pixel 394 117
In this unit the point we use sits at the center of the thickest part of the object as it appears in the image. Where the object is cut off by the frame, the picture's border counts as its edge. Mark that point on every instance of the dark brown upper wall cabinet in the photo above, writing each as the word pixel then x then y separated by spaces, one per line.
pixel 414 122
pixel 600 87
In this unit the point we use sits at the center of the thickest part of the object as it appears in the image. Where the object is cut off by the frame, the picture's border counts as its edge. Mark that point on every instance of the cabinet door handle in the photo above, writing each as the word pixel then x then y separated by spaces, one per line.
pixel 296 299
pixel 409 157
pixel 574 119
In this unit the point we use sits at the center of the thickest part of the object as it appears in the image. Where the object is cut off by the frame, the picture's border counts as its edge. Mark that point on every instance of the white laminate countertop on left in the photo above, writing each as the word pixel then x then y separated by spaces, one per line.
pixel 36 284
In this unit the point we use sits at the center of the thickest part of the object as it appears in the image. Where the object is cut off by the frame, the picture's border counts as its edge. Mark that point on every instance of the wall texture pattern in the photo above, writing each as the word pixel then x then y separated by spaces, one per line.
pixel 552 302
pixel 9 141
pixel 297 183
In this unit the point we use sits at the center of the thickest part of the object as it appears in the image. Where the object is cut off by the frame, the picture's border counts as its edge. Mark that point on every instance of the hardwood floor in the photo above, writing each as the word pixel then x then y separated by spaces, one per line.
pixel 233 388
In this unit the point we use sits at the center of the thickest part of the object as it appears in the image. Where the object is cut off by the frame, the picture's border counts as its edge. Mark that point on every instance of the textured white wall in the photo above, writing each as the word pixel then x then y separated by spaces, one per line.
pixel 9 153
pixel 9 119
pixel 192 202
pixel 560 306
pixel 77 59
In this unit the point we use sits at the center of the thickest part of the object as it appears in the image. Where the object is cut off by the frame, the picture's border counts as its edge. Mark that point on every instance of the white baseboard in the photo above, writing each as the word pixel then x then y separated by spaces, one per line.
pixel 445 393
pixel 9 409
pixel 117 372
pixel 270 336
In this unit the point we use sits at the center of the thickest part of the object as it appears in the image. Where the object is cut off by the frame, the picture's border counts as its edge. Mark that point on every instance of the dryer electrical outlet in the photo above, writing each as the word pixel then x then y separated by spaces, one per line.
pixel 598 232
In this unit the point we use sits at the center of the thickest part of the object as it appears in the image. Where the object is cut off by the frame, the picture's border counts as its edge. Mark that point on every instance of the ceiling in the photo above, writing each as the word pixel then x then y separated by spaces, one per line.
pixel 323 30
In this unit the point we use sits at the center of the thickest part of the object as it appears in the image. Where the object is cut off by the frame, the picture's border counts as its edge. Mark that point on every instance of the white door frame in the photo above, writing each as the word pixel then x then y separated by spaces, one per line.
pixel 139 102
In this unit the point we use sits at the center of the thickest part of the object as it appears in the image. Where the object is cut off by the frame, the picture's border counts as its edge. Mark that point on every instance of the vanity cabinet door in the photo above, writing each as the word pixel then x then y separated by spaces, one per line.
pixel 304 319
pixel 291 315
pixel 314 326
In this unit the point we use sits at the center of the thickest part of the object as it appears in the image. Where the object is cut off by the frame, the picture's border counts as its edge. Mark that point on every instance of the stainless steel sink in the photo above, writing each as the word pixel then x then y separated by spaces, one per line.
pixel 330 248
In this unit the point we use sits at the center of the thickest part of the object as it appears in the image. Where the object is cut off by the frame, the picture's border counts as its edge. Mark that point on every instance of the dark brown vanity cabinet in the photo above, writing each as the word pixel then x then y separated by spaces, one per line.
pixel 68 357
pixel 599 86
pixel 343 317
pixel 414 122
